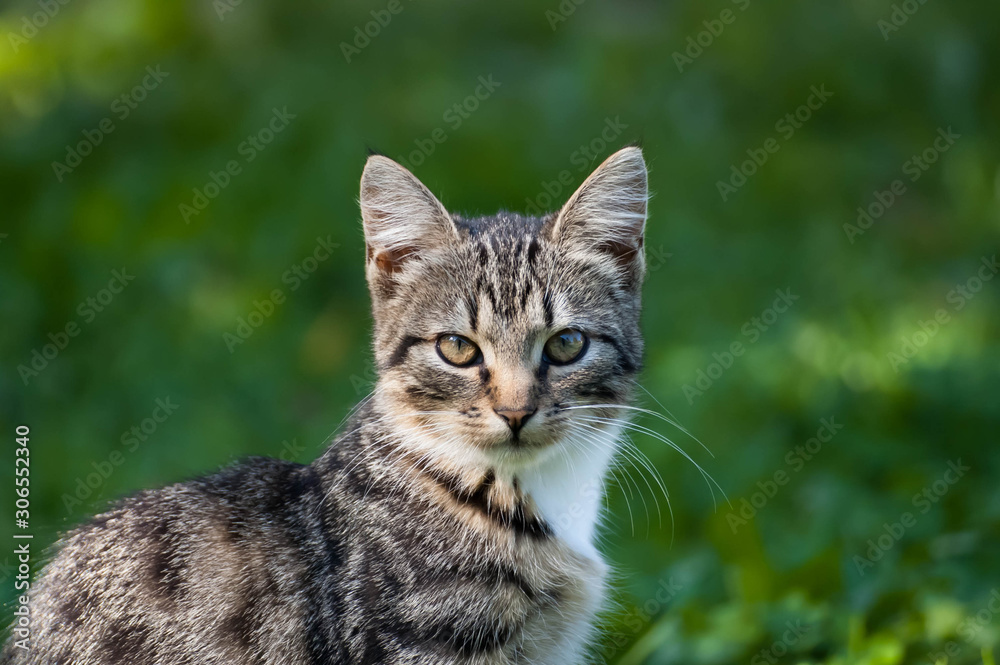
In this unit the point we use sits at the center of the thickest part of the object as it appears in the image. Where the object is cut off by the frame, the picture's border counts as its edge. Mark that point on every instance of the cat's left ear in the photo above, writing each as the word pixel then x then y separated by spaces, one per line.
pixel 607 214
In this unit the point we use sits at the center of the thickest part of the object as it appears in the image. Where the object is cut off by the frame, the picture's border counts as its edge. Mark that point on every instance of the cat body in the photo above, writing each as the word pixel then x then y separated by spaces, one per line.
pixel 453 521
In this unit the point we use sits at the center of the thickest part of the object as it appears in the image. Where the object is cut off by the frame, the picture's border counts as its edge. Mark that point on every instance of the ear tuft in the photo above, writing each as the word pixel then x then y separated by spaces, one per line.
pixel 402 219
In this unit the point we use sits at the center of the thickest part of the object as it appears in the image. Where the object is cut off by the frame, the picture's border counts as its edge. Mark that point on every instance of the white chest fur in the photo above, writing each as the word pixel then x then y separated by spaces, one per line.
pixel 567 488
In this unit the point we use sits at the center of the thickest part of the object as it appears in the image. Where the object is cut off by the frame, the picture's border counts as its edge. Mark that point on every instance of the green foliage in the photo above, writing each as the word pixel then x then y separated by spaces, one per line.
pixel 879 337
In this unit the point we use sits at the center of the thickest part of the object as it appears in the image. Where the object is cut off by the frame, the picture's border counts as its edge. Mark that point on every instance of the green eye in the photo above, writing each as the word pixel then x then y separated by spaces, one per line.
pixel 457 350
pixel 565 346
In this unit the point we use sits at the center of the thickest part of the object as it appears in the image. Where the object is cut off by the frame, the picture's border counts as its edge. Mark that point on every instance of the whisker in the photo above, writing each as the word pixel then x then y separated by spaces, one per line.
pixel 639 459
pixel 709 480
pixel 625 452
pixel 625 481
pixel 594 440
pixel 647 412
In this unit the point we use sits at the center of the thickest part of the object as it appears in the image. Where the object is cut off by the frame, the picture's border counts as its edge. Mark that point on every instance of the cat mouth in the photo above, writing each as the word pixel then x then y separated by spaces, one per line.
pixel 523 444
pixel 516 440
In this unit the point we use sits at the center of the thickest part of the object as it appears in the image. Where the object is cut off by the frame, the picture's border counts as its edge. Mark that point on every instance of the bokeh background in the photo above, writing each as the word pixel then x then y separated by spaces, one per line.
pixel 793 577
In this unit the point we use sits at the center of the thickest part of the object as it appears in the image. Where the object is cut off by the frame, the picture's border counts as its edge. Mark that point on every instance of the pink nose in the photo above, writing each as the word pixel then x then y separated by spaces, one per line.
pixel 516 417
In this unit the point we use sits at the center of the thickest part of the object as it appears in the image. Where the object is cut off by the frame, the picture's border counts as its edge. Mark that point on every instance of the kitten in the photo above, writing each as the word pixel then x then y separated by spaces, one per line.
pixel 454 520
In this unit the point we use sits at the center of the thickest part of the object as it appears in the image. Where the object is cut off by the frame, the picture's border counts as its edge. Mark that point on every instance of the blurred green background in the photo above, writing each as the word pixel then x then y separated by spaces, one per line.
pixel 704 87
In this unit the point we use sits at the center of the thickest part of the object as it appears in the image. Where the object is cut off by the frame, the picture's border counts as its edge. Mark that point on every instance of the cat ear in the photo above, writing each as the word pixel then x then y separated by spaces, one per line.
pixel 402 219
pixel 608 212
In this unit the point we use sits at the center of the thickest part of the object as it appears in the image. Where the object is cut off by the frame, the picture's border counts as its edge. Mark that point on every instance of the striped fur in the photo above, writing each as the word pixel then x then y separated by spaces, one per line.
pixel 430 532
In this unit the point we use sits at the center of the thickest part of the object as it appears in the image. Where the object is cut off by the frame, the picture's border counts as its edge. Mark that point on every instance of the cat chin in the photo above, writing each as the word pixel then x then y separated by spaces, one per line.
pixel 515 456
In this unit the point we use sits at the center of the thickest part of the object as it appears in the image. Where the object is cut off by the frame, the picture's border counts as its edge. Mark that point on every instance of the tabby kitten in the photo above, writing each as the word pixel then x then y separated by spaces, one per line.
pixel 454 520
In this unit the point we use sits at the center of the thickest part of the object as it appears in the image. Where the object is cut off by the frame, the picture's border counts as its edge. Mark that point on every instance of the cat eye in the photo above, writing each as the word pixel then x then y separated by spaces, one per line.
pixel 457 350
pixel 564 347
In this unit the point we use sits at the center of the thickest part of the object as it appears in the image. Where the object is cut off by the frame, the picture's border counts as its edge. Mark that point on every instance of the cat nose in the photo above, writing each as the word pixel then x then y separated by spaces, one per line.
pixel 515 417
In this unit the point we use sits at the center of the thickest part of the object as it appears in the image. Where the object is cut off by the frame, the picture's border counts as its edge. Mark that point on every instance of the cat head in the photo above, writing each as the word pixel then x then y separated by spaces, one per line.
pixel 488 331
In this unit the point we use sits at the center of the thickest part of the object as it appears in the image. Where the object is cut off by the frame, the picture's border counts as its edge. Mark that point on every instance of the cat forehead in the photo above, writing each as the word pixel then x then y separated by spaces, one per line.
pixel 503 228
pixel 507 247
pixel 511 259
pixel 508 278
pixel 505 250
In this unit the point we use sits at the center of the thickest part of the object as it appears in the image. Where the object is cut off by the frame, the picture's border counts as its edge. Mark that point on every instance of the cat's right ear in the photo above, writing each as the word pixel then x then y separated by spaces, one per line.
pixel 403 221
